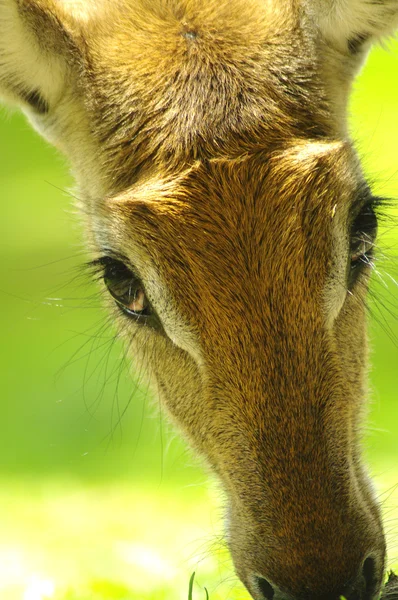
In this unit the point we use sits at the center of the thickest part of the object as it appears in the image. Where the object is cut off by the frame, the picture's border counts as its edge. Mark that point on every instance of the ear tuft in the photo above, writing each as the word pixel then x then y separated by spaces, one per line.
pixel 36 101
pixel 357 42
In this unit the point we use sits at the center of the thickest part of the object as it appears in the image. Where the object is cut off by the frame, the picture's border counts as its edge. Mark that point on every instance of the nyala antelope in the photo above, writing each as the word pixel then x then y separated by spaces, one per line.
pixel 232 225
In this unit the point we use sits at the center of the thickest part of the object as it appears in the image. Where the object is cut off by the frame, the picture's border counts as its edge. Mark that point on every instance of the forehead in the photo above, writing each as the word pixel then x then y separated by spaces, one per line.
pixel 172 83
pixel 224 224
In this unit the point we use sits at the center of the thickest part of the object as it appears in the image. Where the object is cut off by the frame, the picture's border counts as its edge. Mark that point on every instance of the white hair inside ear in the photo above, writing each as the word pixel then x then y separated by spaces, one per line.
pixel 27 72
pixel 351 25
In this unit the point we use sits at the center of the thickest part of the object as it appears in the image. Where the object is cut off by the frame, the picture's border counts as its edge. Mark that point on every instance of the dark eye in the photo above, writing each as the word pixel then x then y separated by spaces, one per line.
pixel 126 289
pixel 363 238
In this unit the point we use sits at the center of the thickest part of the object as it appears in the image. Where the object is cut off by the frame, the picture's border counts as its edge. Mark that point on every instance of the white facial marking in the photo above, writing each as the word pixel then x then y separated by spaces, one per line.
pixel 176 329
pixel 307 154
pixel 158 294
pixel 336 290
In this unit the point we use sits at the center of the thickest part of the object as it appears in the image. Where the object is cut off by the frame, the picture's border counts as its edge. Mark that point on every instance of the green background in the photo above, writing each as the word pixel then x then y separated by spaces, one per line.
pixel 92 506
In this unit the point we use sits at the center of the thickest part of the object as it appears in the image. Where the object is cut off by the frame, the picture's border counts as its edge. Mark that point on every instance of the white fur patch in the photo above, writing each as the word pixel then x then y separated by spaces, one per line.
pixel 158 293
pixel 335 291
pixel 85 10
pixel 312 150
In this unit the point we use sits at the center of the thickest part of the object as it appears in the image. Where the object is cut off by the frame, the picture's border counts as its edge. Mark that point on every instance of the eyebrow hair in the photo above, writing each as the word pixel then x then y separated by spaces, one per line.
pixel 362 197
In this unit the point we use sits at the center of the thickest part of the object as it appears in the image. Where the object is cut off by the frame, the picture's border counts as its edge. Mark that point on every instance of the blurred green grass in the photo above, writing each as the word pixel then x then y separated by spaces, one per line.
pixel 94 509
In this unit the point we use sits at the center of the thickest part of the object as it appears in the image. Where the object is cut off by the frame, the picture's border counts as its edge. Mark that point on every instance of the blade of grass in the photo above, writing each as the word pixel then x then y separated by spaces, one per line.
pixel 190 590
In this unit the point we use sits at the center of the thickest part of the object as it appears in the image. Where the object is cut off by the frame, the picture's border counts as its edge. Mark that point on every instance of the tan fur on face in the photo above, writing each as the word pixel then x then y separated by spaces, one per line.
pixel 209 144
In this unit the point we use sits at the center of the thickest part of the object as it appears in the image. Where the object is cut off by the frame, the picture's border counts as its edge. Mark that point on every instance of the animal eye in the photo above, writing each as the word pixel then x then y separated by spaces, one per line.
pixel 363 237
pixel 126 289
pixel 361 249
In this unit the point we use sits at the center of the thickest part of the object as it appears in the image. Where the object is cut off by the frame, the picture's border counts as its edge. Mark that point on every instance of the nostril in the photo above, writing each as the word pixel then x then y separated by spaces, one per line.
pixel 367 583
pixel 265 588
pixel 369 573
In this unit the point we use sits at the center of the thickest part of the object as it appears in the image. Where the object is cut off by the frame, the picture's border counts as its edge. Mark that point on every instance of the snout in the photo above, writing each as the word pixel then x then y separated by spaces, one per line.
pixel 322 565
pixel 304 522
pixel 322 546
pixel 365 585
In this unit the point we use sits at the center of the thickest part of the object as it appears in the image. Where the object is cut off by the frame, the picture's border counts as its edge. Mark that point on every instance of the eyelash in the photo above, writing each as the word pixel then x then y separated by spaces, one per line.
pixel 363 239
pixel 98 266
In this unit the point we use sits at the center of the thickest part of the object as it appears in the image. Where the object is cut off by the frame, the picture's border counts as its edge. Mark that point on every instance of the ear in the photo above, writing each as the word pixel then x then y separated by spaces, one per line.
pixel 351 25
pixel 37 42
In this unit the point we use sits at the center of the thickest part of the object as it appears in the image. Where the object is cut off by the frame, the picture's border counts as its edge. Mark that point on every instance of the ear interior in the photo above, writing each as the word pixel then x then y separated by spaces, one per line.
pixel 35 41
pixel 351 25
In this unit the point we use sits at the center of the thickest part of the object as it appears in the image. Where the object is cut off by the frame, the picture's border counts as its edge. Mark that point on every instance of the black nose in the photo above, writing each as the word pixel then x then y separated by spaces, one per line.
pixel 365 586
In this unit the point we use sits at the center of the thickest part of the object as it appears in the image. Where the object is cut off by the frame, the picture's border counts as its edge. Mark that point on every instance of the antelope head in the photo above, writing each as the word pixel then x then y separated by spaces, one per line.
pixel 228 214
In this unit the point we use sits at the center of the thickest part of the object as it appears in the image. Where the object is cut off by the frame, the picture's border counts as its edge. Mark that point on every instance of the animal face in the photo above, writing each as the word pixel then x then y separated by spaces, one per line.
pixel 229 218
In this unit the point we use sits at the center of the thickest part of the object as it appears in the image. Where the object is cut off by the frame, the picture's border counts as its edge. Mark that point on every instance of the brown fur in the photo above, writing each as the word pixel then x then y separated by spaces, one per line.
pixel 209 143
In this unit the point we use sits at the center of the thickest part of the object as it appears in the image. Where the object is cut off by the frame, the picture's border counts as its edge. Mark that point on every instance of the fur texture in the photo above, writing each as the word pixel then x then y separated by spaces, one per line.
pixel 210 146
